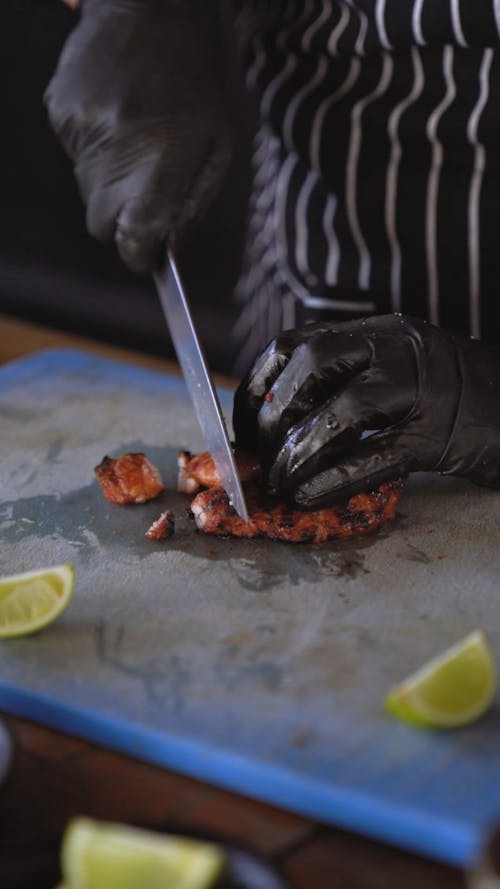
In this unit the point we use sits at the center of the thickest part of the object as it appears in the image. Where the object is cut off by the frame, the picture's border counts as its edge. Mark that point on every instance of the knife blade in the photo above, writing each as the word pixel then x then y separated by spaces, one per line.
pixel 198 381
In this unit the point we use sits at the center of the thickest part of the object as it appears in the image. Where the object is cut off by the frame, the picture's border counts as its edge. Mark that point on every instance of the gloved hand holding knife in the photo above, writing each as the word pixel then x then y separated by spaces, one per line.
pixel 138 105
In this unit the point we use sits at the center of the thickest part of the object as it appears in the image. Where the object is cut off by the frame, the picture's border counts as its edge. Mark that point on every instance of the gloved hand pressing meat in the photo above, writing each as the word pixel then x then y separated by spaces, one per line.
pixel 137 104
pixel 430 400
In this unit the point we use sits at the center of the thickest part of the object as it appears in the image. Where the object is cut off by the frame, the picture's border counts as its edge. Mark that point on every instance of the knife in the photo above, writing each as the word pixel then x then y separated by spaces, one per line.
pixel 198 381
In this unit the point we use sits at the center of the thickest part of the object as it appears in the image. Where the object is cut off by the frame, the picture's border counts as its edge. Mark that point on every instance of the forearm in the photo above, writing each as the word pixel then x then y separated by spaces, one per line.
pixel 72 3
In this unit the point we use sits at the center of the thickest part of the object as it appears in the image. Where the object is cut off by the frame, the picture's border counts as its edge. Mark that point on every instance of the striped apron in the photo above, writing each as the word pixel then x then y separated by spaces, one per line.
pixel 376 164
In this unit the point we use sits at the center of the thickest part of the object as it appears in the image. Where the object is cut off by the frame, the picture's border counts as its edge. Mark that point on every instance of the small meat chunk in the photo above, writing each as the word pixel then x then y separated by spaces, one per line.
pixel 200 472
pixel 163 528
pixel 131 478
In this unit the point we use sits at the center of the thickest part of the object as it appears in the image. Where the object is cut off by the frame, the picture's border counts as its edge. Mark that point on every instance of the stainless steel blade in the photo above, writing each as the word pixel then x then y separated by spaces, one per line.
pixel 198 381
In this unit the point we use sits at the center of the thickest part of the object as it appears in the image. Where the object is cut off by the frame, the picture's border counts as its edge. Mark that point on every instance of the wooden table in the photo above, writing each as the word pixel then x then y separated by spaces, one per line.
pixel 55 777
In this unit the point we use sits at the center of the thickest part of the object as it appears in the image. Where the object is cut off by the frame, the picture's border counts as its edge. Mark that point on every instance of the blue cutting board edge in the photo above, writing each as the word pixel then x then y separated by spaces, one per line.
pixel 452 842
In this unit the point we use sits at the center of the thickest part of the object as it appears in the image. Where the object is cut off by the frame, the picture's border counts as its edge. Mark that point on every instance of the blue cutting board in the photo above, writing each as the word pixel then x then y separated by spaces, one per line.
pixel 257 666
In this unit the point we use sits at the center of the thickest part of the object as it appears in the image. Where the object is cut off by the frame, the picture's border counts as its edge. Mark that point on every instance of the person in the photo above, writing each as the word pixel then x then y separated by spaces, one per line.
pixel 372 262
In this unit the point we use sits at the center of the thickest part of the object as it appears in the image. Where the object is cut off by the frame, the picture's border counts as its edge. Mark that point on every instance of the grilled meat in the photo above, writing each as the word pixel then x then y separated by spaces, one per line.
pixel 274 519
pixel 268 518
pixel 130 478
pixel 199 471
pixel 163 528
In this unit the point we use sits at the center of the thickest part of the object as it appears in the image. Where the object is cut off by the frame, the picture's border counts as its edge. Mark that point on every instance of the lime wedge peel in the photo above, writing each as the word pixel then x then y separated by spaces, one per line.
pixel 105 855
pixel 451 690
pixel 34 599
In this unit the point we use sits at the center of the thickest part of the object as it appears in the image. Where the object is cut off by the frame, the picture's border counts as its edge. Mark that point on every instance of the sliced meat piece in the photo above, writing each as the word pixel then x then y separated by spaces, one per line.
pixel 362 514
pixel 130 478
pixel 163 528
pixel 200 472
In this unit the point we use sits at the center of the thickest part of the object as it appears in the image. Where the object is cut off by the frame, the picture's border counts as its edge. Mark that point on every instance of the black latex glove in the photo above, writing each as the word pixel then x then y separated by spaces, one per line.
pixel 137 105
pixel 434 399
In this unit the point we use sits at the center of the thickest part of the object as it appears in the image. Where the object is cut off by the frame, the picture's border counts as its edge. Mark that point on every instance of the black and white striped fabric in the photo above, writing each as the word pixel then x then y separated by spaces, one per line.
pixel 377 163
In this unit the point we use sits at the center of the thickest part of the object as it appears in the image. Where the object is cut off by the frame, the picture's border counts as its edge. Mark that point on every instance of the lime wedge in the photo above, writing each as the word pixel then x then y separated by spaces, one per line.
pixel 34 599
pixel 452 689
pixel 100 855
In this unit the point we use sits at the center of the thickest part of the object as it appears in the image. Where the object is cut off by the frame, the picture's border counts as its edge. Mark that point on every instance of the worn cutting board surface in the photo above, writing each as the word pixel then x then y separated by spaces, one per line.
pixel 254 665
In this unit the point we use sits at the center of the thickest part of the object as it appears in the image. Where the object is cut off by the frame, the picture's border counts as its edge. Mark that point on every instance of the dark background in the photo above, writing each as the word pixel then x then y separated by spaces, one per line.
pixel 51 271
